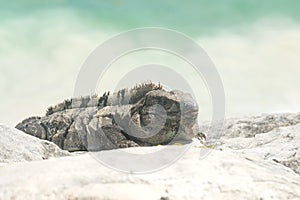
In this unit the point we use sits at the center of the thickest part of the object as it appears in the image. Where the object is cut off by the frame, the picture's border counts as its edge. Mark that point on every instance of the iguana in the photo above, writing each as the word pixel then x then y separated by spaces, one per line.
pixel 145 115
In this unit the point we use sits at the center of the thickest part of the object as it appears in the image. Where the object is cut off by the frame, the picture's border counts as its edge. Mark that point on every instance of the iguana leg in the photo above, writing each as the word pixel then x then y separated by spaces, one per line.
pixel 126 144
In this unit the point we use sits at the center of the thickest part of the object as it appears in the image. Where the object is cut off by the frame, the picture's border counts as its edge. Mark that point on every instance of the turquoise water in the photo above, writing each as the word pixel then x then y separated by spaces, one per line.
pixel 194 17
pixel 254 44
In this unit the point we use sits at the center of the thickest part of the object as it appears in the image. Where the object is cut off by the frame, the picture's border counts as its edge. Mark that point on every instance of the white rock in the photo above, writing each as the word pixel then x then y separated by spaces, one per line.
pixel 250 126
pixel 17 146
pixel 259 158
pixel 221 175
pixel 280 145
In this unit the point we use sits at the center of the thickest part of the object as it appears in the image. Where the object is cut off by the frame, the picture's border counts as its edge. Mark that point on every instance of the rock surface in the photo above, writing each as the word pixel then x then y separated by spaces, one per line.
pixel 257 158
pixel 221 175
pixel 17 146
pixel 248 127
pixel 273 137
pixel 143 116
pixel 281 145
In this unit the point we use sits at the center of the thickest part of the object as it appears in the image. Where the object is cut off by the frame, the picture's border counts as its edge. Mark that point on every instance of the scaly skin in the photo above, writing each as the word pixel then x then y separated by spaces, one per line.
pixel 105 122
pixel 122 97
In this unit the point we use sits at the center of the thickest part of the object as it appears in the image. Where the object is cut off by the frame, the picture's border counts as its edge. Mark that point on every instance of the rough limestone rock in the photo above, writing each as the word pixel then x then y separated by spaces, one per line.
pixel 281 145
pixel 17 146
pixel 248 127
pixel 259 164
pixel 221 175
pixel 145 115
pixel 273 137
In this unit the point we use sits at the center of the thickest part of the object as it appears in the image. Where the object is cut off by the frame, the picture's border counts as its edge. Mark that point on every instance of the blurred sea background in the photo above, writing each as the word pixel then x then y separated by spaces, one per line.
pixel 255 46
